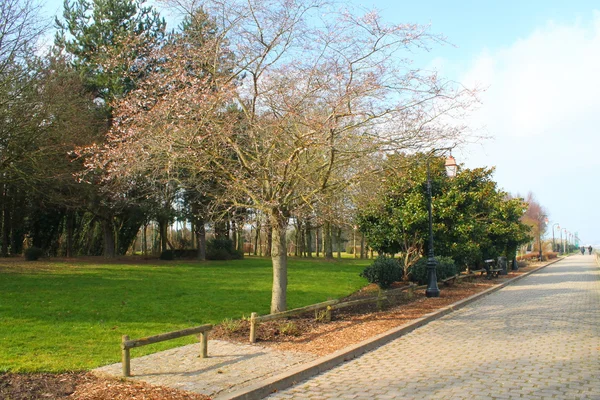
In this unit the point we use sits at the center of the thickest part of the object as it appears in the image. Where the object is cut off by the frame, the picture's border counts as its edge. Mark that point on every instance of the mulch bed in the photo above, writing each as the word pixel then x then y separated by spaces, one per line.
pixel 305 334
pixel 84 386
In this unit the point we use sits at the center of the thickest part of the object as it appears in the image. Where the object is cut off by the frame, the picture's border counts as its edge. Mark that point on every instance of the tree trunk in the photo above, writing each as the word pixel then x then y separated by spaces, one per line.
pixel 308 236
pixel 163 226
pixel 327 242
pixel 339 242
pixel 362 246
pixel 269 237
pixel 144 239
pixel 317 242
pixel 108 236
pixel 69 229
pixel 256 238
pixel 201 239
pixel 279 259
pixel 297 238
pixel 5 223
pixel 234 235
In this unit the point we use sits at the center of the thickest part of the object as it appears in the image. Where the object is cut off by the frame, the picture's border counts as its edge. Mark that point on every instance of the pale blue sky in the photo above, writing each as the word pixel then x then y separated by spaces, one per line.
pixel 540 63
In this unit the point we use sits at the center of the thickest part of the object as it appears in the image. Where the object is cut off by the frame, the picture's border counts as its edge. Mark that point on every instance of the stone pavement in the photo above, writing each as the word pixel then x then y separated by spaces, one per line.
pixel 538 338
pixel 229 366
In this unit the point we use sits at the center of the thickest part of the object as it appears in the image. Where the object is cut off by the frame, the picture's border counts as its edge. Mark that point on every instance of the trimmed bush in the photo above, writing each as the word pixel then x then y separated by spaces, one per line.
pixel 222 249
pixel 33 253
pixel 167 255
pixel 217 254
pixel 418 271
pixel 383 272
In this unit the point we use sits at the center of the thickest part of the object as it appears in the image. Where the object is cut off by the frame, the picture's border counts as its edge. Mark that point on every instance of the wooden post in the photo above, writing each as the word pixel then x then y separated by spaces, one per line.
pixel 328 314
pixel 253 327
pixel 125 359
pixel 203 344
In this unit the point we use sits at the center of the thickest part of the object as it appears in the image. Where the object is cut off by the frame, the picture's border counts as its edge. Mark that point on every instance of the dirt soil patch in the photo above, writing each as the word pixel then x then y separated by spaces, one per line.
pixel 304 334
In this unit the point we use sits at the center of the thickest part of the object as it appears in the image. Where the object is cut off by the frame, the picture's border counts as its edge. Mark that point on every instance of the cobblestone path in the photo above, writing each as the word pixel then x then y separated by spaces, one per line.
pixel 538 338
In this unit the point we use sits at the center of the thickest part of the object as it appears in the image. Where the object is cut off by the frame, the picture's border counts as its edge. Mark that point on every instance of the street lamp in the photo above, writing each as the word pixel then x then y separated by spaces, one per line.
pixel 562 244
pixel 542 219
pixel 451 170
pixel 554 244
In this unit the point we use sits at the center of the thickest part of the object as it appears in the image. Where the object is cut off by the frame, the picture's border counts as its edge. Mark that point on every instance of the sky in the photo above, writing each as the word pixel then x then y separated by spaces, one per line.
pixel 539 63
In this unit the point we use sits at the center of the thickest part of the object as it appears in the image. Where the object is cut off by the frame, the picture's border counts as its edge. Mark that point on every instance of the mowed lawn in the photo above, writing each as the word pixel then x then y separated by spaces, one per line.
pixel 65 316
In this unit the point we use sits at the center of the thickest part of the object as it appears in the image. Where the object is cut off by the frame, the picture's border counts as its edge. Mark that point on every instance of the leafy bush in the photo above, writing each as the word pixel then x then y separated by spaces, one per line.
pixel 528 256
pixel 383 272
pixel 445 268
pixel 222 249
pixel 289 329
pixel 217 254
pixel 167 255
pixel 33 253
pixel 231 325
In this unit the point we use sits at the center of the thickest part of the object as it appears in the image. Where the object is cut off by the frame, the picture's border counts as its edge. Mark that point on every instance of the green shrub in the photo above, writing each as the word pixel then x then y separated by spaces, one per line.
pixel 383 272
pixel 289 329
pixel 231 325
pixel 418 271
pixel 217 254
pixel 33 253
pixel 167 255
pixel 222 249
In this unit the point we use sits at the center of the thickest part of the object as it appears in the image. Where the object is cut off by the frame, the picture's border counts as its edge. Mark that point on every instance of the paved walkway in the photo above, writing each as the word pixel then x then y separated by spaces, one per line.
pixel 538 338
pixel 228 367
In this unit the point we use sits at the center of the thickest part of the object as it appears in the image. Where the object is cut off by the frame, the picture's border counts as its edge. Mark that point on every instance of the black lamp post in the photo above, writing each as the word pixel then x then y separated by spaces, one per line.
pixel 432 286
pixel 554 244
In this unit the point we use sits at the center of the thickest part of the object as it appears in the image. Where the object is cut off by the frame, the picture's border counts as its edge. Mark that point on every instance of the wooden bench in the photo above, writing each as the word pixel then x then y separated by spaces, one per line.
pixel 490 268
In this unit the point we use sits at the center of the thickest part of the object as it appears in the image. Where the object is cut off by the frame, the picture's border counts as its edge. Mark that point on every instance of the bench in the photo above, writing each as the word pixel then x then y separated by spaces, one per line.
pixel 490 269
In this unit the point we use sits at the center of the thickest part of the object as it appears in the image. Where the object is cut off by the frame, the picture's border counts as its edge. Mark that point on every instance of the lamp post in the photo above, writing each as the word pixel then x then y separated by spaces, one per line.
pixel 562 244
pixel 451 169
pixel 554 244
pixel 541 220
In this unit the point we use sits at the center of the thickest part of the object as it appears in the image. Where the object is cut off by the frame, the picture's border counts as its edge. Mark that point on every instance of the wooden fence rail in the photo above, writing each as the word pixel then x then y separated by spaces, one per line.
pixel 255 318
pixel 328 306
pixel 128 344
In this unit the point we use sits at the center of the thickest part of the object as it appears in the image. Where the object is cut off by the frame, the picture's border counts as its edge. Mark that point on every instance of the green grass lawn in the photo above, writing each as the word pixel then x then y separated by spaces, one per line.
pixel 64 316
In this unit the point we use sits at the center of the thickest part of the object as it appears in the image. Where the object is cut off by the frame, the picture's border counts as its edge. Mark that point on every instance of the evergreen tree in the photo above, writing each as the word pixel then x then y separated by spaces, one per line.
pixel 95 31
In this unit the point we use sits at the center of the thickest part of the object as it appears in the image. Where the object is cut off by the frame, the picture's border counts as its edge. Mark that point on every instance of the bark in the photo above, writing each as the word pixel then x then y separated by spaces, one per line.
pixel 308 236
pixel 162 229
pixel 257 237
pixel 279 260
pixel 144 239
pixel 362 246
pixel 69 230
pixel 327 242
pixel 317 242
pixel 297 241
pixel 339 242
pixel 269 237
pixel 201 239
pixel 234 235
pixel 108 236
pixel 5 224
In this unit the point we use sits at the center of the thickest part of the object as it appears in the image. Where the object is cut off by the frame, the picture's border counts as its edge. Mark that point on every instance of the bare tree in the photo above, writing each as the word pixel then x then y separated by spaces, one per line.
pixel 311 91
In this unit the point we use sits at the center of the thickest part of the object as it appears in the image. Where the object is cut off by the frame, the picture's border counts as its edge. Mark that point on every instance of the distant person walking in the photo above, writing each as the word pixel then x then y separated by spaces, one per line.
pixel 590 249
pixel 582 250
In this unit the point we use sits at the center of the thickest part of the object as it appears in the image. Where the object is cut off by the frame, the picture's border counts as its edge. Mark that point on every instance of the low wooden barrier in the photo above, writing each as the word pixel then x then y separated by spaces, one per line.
pixel 328 306
pixel 255 318
pixel 128 344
